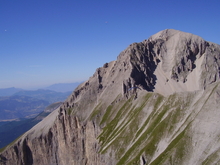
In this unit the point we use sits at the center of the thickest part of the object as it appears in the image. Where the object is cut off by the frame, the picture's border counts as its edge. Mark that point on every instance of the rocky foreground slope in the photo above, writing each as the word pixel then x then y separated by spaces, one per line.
pixel 158 103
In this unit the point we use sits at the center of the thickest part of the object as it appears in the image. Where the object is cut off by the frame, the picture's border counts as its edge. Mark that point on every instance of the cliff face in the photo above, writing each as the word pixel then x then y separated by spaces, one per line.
pixel 156 104
pixel 60 139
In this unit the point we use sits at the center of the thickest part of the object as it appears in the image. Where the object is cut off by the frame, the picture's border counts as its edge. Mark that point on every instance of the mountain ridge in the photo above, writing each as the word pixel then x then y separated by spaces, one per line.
pixel 9 91
pixel 154 105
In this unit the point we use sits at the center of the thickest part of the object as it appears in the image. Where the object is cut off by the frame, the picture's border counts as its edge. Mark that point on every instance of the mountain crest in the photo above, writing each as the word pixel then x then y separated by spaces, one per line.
pixel 168 62
pixel 156 104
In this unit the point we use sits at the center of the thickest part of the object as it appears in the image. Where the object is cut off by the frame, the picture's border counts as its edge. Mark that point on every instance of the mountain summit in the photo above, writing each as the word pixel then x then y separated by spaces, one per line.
pixel 158 103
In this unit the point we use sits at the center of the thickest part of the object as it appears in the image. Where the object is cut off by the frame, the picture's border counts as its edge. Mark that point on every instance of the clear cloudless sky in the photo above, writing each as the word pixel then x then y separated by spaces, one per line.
pixel 43 42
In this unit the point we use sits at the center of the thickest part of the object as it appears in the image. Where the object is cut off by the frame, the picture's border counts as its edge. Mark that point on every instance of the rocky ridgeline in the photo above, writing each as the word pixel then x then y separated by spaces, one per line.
pixel 140 109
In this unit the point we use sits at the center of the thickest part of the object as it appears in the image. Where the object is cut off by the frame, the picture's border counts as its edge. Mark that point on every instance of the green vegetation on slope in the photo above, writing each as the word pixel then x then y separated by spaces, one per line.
pixel 135 128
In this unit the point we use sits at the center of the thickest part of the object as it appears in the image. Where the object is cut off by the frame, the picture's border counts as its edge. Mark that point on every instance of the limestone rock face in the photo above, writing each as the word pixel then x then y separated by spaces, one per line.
pixel 66 141
pixel 156 104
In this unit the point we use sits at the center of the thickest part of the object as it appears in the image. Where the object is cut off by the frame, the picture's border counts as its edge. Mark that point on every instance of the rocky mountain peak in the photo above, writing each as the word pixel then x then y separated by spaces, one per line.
pixel 174 60
pixel 168 62
pixel 156 104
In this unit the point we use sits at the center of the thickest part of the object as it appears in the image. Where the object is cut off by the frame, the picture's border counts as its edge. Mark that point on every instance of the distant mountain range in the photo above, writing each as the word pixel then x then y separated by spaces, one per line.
pixel 44 94
pixel 60 87
pixel 19 103
pixel 28 104
pixel 9 91
pixel 13 107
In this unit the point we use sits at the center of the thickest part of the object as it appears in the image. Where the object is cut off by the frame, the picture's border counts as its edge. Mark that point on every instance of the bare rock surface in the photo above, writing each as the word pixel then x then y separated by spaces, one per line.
pixel 156 104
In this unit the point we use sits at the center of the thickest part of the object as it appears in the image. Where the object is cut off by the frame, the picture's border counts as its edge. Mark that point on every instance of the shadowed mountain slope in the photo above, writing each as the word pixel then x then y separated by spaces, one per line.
pixel 158 103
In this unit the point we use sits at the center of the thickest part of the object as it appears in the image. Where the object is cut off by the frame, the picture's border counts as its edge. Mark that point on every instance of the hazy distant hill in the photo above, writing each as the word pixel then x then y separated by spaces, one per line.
pixel 63 87
pixel 13 107
pixel 43 94
pixel 23 103
pixel 9 91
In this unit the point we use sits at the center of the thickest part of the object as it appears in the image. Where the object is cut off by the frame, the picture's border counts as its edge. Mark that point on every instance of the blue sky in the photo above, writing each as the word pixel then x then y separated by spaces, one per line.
pixel 43 42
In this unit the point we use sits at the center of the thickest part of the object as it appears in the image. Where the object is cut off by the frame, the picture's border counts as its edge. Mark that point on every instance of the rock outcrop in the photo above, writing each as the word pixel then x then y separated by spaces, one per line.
pixel 156 104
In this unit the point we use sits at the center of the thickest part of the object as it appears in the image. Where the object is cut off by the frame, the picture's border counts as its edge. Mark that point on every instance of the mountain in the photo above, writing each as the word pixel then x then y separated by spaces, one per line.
pixel 9 91
pixel 44 94
pixel 158 103
pixel 63 87
pixel 9 131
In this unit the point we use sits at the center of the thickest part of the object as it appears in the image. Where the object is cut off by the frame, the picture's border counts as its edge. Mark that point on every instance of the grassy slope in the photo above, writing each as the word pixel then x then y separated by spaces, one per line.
pixel 153 129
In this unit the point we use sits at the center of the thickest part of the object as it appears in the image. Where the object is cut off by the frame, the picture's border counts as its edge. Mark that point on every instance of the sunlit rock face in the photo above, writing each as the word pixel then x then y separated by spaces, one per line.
pixel 158 103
